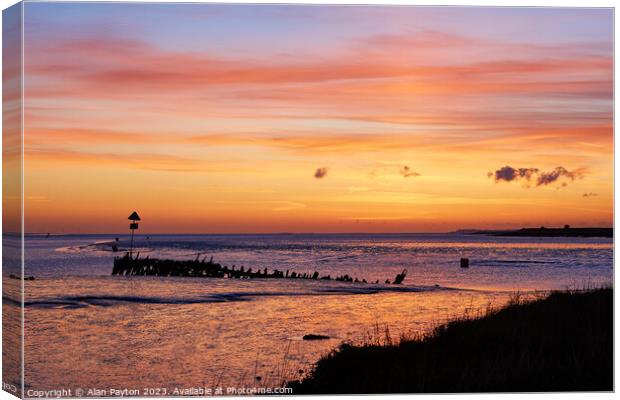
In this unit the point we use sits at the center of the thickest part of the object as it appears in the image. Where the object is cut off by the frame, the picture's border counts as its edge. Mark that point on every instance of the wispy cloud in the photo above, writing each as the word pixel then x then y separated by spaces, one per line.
pixel 97 65
pixel 413 95
pixel 358 189
pixel 50 158
pixel 406 171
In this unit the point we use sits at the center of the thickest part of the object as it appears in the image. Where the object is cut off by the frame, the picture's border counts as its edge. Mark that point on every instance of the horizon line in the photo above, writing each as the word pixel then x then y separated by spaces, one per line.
pixel 460 230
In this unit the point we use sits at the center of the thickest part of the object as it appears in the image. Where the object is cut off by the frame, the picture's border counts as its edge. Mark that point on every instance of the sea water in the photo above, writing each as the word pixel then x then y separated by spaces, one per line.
pixel 88 330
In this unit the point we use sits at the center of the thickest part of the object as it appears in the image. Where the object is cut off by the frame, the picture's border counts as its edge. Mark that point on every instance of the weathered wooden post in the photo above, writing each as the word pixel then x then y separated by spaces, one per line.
pixel 134 217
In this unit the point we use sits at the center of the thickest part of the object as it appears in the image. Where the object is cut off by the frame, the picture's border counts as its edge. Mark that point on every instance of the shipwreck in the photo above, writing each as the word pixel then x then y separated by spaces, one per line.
pixel 136 266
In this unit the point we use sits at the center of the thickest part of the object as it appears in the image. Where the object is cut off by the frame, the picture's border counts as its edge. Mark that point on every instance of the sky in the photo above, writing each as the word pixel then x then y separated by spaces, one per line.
pixel 280 118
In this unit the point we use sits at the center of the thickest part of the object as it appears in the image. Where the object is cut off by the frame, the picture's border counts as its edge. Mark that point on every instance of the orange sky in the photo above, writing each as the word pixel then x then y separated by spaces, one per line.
pixel 219 120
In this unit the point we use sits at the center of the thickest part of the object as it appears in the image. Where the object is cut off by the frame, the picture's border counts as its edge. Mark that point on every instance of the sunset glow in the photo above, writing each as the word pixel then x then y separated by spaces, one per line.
pixel 229 119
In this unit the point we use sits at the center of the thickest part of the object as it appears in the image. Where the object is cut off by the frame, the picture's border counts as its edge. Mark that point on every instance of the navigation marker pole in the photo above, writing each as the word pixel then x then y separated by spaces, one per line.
pixel 134 217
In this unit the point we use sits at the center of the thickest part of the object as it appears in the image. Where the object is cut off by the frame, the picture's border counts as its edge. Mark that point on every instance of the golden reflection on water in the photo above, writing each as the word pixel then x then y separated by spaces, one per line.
pixel 86 329
pixel 230 343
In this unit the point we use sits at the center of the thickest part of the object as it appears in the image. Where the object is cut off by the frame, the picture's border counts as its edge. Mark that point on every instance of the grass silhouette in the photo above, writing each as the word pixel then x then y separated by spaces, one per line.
pixel 562 342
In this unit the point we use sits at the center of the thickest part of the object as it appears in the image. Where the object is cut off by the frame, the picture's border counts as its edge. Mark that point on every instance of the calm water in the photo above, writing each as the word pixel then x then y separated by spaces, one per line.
pixel 87 329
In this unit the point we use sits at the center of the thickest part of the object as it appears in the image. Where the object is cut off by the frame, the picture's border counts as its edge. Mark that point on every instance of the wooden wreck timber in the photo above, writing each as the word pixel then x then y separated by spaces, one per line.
pixel 129 265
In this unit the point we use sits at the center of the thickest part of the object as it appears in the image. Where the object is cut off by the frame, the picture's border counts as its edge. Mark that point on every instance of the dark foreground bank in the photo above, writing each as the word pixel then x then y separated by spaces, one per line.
pixel 561 343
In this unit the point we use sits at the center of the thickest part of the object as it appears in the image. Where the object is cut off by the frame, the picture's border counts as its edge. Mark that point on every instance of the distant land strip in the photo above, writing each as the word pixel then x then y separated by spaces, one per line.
pixel 545 232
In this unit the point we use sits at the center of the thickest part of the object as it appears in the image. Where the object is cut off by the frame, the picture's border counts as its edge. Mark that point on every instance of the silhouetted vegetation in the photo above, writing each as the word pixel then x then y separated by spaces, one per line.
pixel 563 342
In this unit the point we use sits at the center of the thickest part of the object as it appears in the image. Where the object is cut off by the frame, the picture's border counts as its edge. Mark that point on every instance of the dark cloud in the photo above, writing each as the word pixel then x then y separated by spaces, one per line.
pixel 407 172
pixel 510 174
pixel 546 178
pixel 590 194
pixel 321 172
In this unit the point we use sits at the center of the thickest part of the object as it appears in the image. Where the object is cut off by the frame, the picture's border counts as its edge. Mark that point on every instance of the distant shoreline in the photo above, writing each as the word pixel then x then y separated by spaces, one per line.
pixel 546 232
pixel 533 232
